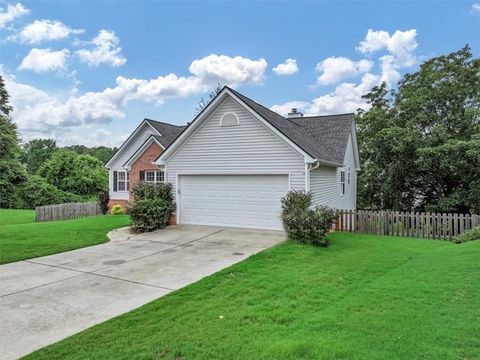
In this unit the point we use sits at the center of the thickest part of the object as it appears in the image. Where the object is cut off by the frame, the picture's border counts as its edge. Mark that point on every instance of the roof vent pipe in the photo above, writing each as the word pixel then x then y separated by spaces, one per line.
pixel 294 113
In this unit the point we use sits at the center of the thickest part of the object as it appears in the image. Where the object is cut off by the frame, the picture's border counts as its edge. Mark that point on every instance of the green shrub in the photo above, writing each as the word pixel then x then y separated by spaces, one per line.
pixel 36 191
pixel 143 190
pixel 303 223
pixel 152 206
pixel 469 235
pixel 150 214
pixel 103 201
pixel 296 200
pixel 117 209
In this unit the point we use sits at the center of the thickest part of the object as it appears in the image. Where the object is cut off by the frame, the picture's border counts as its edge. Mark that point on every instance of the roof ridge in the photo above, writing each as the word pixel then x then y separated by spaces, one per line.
pixel 163 122
pixel 317 116
pixel 256 102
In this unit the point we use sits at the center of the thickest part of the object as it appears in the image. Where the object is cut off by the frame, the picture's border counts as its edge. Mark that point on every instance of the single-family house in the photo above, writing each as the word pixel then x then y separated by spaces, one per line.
pixel 235 161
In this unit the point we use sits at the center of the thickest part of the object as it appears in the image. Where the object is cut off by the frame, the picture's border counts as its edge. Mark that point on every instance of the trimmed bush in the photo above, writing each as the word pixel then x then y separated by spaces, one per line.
pixel 152 206
pixel 103 201
pixel 117 209
pixel 296 200
pixel 469 235
pixel 150 214
pixel 143 190
pixel 303 223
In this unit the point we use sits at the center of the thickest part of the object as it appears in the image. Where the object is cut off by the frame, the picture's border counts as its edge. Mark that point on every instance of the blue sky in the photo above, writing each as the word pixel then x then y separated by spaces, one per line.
pixel 87 72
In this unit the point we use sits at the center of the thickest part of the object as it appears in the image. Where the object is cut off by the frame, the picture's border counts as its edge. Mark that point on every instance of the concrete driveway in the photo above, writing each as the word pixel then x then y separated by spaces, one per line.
pixel 46 299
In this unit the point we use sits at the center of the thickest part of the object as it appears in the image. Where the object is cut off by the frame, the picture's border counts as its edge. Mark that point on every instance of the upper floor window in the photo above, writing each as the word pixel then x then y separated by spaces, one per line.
pixel 229 119
pixel 342 182
pixel 348 175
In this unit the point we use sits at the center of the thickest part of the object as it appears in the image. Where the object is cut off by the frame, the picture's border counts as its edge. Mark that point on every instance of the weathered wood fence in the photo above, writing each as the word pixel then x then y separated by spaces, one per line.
pixel 409 224
pixel 66 211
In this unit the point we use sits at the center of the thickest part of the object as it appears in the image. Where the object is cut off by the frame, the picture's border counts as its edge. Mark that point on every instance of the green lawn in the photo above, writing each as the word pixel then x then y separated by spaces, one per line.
pixel 11 217
pixel 364 297
pixel 25 239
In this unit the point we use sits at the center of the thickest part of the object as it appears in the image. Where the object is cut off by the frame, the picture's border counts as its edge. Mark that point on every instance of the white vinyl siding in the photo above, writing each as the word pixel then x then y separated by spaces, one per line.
pixel 249 148
pixel 325 183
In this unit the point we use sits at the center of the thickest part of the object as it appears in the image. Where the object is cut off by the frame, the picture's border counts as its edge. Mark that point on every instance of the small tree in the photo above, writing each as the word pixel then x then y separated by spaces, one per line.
pixel 103 201
pixel 204 103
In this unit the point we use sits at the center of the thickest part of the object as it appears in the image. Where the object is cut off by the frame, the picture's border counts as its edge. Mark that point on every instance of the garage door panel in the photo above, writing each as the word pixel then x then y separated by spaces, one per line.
pixel 251 201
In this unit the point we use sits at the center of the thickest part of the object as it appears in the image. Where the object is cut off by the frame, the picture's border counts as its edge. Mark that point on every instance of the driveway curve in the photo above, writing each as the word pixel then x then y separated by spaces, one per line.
pixel 46 299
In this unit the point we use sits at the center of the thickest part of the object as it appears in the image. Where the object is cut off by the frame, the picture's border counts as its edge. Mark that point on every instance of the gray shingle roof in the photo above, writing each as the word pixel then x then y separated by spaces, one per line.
pixel 322 137
pixel 169 132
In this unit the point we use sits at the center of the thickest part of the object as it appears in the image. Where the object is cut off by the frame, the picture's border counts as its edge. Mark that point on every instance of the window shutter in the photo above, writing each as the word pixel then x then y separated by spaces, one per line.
pixel 115 181
pixel 128 180
pixel 142 175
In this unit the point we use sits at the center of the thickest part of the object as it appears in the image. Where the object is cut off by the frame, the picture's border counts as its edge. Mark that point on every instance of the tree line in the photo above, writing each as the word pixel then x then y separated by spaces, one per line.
pixel 41 173
pixel 420 143
pixel 419 147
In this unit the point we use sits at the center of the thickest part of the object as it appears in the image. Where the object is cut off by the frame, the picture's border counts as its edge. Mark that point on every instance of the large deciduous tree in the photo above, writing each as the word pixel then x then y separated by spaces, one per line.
pixel 420 145
pixel 12 172
pixel 74 173
pixel 36 152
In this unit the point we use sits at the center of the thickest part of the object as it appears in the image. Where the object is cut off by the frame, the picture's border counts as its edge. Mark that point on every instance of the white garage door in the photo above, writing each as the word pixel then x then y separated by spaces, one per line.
pixel 247 201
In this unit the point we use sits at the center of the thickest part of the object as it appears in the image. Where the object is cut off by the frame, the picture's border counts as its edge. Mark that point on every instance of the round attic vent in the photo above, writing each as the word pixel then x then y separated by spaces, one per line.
pixel 229 119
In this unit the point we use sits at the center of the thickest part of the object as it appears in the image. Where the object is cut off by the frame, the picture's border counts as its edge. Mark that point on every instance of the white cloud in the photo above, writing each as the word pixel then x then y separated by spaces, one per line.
pixel 10 13
pixel 400 45
pixel 105 50
pixel 289 67
pixel 334 69
pixel 390 74
pixel 37 112
pixel 43 60
pixel 217 68
pixel 285 108
pixel 475 8
pixel 46 30
pixel 347 96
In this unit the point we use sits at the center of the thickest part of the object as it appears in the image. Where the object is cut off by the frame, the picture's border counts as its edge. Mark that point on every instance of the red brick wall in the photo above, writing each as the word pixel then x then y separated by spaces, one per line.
pixel 144 162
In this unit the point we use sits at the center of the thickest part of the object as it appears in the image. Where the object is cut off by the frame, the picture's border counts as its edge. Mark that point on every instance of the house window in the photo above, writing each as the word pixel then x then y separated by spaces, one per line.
pixel 348 176
pixel 122 180
pixel 154 176
pixel 150 176
pixel 342 182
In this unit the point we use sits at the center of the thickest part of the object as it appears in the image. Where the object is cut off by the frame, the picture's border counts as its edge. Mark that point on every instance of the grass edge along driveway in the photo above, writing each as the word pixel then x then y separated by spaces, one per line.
pixel 26 240
pixel 364 297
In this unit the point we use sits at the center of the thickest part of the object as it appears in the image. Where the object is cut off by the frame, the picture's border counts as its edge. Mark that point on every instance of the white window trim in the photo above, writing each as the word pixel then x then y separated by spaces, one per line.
pixel 124 181
pixel 342 183
pixel 229 113
pixel 155 176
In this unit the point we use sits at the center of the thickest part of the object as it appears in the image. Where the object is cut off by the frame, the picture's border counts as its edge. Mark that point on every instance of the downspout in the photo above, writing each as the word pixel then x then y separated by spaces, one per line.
pixel 308 167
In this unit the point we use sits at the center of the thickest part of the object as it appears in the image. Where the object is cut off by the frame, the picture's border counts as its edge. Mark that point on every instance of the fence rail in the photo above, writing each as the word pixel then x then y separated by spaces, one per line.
pixel 409 224
pixel 66 211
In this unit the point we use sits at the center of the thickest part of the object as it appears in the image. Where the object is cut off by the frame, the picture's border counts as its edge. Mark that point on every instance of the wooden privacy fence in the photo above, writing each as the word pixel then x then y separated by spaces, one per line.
pixel 66 211
pixel 410 224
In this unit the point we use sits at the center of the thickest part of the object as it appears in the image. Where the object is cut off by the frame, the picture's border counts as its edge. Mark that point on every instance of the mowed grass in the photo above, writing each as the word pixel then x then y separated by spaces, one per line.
pixel 12 217
pixel 24 239
pixel 364 297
